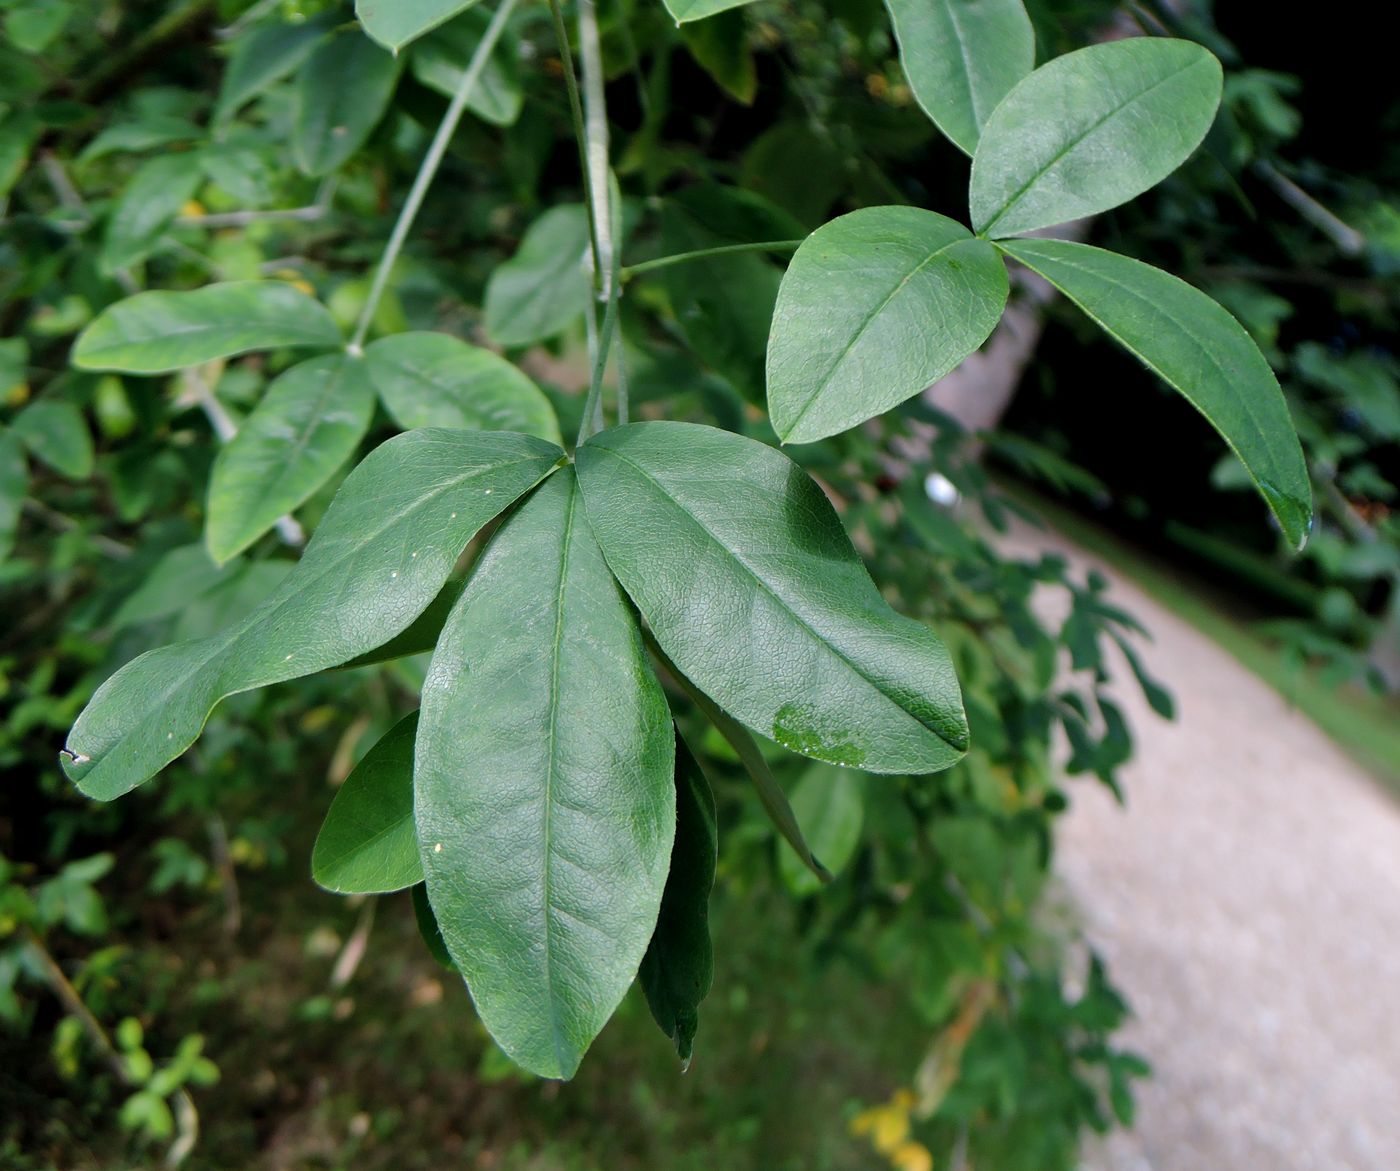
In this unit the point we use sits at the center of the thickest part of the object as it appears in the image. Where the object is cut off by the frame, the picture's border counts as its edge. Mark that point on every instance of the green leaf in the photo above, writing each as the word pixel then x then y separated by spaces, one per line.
pixel 546 809
pixel 393 23
pixel 155 333
pixel 422 635
pixel 180 578
pixel 368 843
pixel 56 434
pixel 876 306
pixel 721 48
pixel 961 58
pixel 154 197
pixel 387 544
pixel 685 10
pixel 343 90
pixel 14 482
pixel 32 25
pixel 436 380
pixel 1091 130
pixel 142 135
pixel 830 807
pixel 678 967
pixel 739 564
pixel 440 62
pixel 307 425
pixel 428 925
pixel 18 133
pixel 265 55
pixel 1193 344
pixel 544 288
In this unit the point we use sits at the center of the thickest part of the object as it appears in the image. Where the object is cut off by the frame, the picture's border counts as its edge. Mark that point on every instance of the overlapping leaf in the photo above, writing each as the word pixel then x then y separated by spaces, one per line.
pixel 1196 346
pixel 394 23
pixel 343 90
pixel 740 566
pixel 830 808
pixel 875 306
pixel 383 552
pixel 1091 130
pixel 544 792
pixel 544 287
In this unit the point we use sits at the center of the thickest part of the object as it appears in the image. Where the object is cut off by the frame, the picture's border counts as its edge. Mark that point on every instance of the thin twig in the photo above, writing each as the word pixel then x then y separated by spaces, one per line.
pixel 634 270
pixel 67 524
pixel 1348 240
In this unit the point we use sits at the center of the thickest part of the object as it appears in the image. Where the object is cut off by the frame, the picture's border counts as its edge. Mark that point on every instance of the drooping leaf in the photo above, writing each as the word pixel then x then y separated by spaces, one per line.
pixel 343 89
pixel 685 10
pixel 307 425
pixel 544 287
pixel 154 197
pixel 875 306
pixel 1193 344
pixel 368 843
pixel 961 58
pixel 436 380
pixel 740 566
pixel 56 434
pixel 440 62
pixel 266 54
pixel 678 967
pixel 830 808
pixel 545 803
pixel 720 45
pixel 1091 130
pixel 394 23
pixel 155 333
pixel 384 550
pixel 14 481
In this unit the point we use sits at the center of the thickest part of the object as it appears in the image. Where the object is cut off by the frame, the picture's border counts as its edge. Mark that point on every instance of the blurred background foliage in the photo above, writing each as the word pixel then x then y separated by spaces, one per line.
pixel 172 986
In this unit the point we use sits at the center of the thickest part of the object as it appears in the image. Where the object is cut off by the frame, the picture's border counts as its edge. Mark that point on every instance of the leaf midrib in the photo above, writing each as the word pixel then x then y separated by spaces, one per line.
pixel 1074 143
pixel 777 597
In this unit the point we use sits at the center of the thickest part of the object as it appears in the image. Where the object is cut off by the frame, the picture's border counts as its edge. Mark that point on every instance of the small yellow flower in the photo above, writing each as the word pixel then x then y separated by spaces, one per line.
pixel 193 208
pixel 911 1156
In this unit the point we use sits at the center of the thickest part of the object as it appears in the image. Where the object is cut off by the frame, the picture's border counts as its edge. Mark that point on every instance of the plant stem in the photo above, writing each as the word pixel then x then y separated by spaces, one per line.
pixel 631 270
pixel 596 145
pixel 561 34
pixel 427 171
pixel 600 343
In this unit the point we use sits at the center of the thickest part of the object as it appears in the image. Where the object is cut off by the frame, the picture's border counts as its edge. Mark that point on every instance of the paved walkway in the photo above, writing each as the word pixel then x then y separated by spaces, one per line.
pixel 1248 904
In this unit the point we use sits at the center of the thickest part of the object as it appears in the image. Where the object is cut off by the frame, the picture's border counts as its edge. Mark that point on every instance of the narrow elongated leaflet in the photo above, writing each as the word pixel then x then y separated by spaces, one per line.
pixel 384 550
pixel 343 90
pixel 436 380
pixel 1193 344
pixel 740 566
pixel 266 54
pixel 152 198
pixel 155 333
pixel 544 287
pixel 961 58
pixel 394 23
pixel 1091 130
pixel 544 794
pixel 684 10
pixel 14 479
pixel 830 808
pixel 368 843
pixel 678 967
pixel 875 306
pixel 307 425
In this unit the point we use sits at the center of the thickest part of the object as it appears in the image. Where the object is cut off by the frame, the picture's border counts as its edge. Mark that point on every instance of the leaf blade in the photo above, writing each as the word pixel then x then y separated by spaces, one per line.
pixel 741 568
pixel 1091 130
pixel 358 584
pixel 859 292
pixel 395 23
pixel 1195 346
pixel 544 795
pixel 159 332
pixel 343 90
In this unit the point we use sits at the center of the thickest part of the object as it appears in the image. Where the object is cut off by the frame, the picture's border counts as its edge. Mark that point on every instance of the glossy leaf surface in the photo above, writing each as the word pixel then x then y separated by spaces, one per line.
pixel 875 306
pixel 368 843
pixel 307 425
pixel 1192 343
pixel 740 566
pixel 155 333
pixel 384 550
pixel 343 90
pixel 394 23
pixel 961 58
pixel 678 967
pixel 830 808
pixel 544 287
pixel 1091 130
pixel 545 799
pixel 436 380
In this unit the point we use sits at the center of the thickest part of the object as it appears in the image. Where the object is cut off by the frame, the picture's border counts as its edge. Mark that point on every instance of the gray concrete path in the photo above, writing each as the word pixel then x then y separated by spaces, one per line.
pixel 1248 904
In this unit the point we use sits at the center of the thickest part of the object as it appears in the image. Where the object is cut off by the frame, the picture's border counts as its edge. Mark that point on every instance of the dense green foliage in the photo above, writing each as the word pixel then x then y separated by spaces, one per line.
pixel 609 629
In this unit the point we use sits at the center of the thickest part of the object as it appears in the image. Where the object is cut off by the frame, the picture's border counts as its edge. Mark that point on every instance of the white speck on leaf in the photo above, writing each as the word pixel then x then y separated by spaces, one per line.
pixel 437 849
